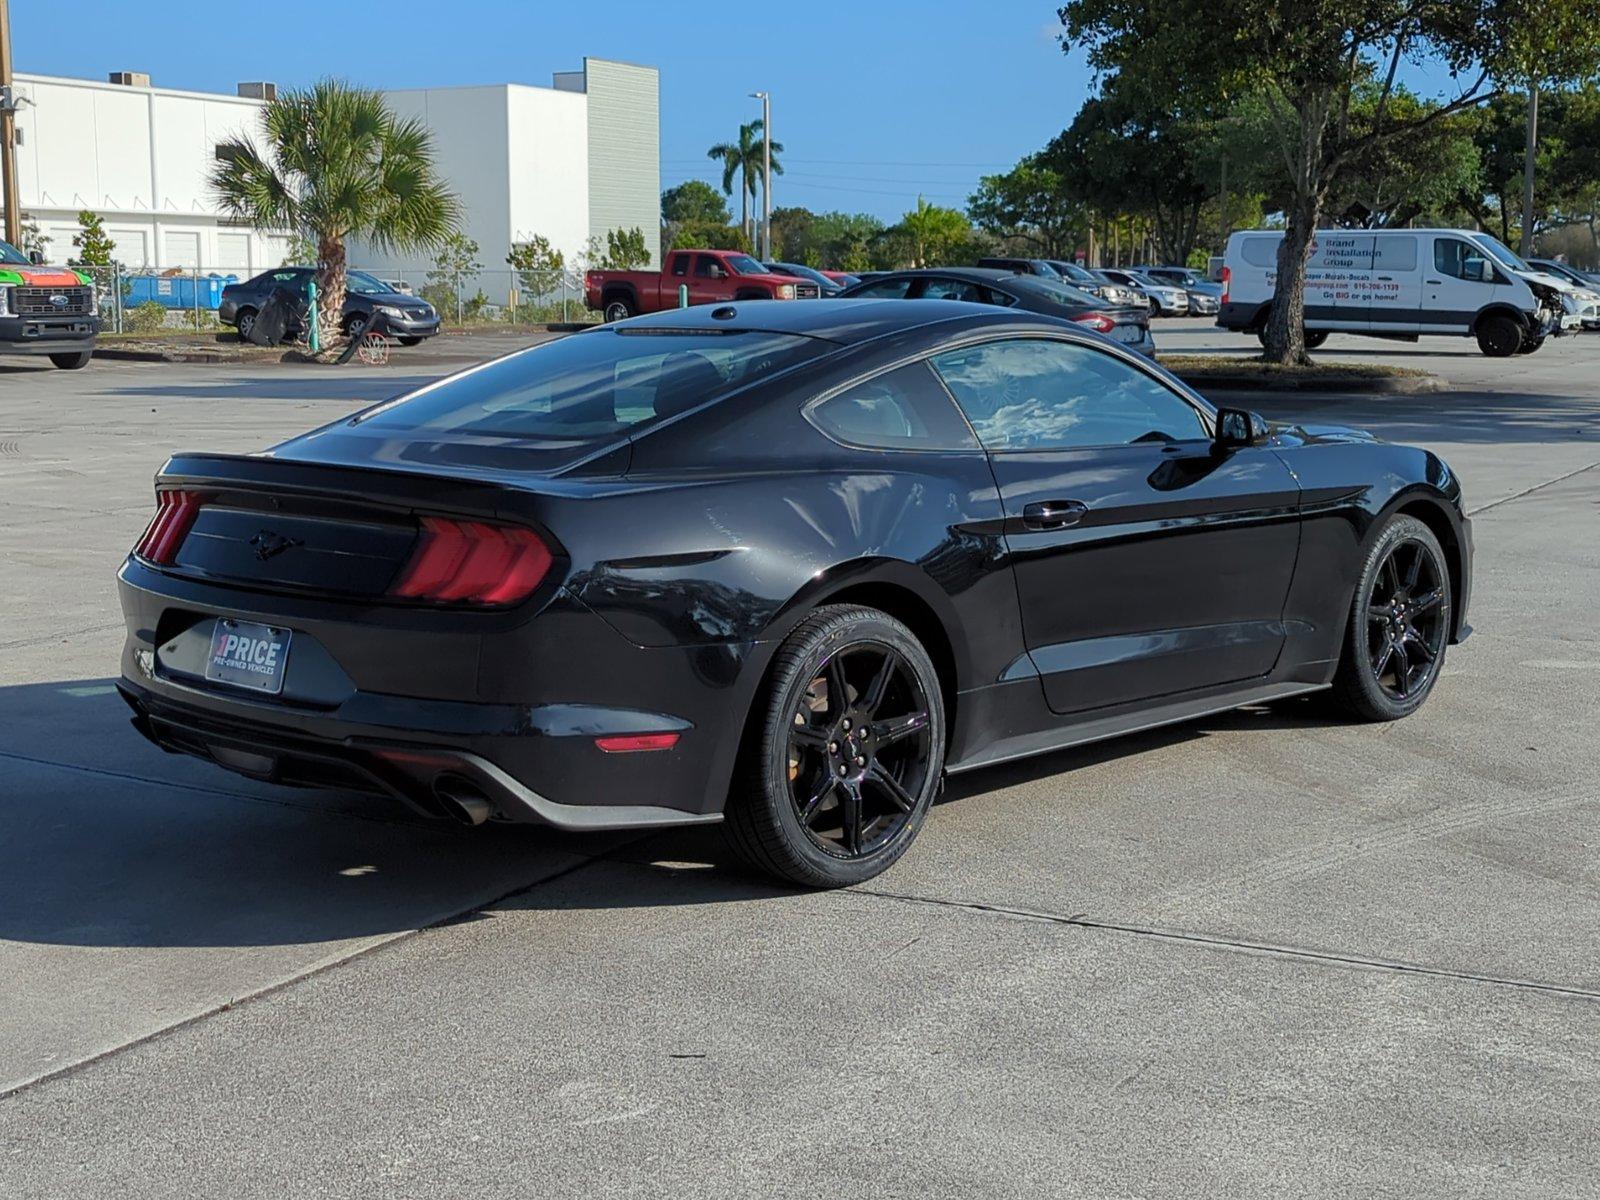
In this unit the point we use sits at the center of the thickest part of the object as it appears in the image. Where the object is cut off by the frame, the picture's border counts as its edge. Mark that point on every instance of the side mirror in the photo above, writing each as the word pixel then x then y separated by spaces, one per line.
pixel 1481 270
pixel 36 257
pixel 1240 427
pixel 718 271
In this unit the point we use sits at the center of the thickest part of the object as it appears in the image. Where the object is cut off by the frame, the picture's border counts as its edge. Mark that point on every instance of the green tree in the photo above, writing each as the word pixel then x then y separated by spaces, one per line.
pixel 1029 205
pixel 843 241
pixel 337 163
pixel 299 251
pixel 94 245
pixel 705 235
pixel 694 200
pixel 453 265
pixel 539 267
pixel 1130 153
pixel 744 159
pixel 1308 58
pixel 624 250
pixel 931 235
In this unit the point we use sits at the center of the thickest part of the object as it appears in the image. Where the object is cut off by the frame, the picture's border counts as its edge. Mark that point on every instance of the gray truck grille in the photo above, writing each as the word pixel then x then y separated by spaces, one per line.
pixel 52 301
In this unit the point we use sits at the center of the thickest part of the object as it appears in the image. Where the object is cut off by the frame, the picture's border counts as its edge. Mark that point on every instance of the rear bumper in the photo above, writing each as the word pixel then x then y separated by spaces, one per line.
pixel 396 765
pixel 399 703
pixel 47 335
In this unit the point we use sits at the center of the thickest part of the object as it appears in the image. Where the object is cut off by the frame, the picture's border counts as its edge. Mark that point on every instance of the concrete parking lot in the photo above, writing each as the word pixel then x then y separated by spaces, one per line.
pixel 1268 954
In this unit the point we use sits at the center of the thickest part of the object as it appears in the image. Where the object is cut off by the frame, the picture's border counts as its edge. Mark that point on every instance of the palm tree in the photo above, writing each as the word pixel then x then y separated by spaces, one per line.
pixel 744 158
pixel 337 164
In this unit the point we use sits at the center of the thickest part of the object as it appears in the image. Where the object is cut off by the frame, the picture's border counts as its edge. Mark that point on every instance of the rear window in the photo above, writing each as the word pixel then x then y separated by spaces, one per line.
pixel 1260 251
pixel 1053 289
pixel 592 386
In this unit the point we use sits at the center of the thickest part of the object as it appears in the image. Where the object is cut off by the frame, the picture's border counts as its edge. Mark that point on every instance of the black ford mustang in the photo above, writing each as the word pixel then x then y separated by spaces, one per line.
pixel 787 563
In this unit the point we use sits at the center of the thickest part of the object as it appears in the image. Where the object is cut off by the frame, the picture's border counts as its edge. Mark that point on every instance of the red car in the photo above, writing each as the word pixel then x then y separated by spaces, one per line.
pixel 711 276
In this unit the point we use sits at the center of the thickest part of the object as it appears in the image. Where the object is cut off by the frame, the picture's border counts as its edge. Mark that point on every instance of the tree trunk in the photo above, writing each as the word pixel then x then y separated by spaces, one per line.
pixel 1530 148
pixel 1286 325
pixel 331 268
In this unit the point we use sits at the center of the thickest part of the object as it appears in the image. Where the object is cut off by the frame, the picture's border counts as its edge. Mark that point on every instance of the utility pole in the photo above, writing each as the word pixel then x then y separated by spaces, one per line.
pixel 1527 166
pixel 8 134
pixel 766 173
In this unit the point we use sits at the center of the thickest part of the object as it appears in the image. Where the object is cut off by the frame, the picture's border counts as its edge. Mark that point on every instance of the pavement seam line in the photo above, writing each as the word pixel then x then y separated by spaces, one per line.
pixel 1270 949
pixel 266 991
pixel 1530 491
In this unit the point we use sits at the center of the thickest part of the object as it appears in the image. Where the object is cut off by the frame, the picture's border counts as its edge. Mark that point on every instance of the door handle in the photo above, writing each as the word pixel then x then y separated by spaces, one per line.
pixel 1385 278
pixel 1435 283
pixel 1053 514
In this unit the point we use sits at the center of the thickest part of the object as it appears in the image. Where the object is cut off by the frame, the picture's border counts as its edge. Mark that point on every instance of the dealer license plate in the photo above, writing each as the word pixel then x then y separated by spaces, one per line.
pixel 247 655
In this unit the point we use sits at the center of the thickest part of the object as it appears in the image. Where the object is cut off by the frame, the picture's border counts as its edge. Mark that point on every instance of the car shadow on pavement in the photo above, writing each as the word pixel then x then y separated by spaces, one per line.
pixel 106 841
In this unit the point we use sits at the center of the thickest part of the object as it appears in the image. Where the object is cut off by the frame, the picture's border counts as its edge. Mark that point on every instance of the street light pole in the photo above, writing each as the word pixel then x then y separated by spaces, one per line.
pixel 8 134
pixel 766 171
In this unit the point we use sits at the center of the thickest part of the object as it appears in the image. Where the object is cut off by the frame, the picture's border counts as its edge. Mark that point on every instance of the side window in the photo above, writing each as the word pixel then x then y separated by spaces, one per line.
pixel 885 289
pixel 706 267
pixel 951 289
pixel 680 264
pixel 1452 256
pixel 1395 252
pixel 904 409
pixel 996 296
pixel 1032 394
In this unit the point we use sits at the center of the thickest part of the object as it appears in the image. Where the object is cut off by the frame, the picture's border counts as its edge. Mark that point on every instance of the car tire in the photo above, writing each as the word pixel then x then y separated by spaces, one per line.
pixel 1315 338
pixel 410 341
pixel 1499 336
pixel 1529 345
pixel 74 360
pixel 1399 624
pixel 849 735
pixel 243 322
pixel 619 309
pixel 355 325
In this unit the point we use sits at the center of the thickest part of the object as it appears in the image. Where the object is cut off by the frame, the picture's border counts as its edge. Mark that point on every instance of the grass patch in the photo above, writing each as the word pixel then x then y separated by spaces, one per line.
pixel 1208 366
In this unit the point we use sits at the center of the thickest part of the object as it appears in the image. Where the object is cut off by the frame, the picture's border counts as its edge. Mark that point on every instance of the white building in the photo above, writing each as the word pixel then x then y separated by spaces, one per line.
pixel 565 162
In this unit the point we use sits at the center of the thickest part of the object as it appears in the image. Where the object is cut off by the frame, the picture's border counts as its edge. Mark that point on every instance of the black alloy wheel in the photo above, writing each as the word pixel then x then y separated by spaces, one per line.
pixel 850 755
pixel 1399 624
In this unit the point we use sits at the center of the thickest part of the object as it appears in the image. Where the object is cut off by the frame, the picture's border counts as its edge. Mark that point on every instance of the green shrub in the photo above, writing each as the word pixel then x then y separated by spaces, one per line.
pixel 145 318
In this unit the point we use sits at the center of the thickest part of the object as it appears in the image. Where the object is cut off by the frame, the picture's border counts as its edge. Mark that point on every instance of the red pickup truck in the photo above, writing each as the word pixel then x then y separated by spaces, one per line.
pixel 710 275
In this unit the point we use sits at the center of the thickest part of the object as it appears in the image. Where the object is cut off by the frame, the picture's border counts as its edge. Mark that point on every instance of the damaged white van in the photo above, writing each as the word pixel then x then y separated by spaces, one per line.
pixel 1399 283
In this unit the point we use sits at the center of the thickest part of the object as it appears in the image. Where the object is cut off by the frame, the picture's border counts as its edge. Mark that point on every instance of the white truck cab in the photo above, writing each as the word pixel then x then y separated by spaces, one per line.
pixel 1401 283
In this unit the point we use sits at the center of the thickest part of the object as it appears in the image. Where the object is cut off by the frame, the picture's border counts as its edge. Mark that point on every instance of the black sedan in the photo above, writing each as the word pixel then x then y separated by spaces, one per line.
pixel 1033 293
pixel 409 318
pixel 785 564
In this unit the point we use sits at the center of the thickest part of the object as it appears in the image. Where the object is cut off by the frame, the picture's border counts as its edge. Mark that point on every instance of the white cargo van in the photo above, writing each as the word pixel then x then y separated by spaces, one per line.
pixel 1399 283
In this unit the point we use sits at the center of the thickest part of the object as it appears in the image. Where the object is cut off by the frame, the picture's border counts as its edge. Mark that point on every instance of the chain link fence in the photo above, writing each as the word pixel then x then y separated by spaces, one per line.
pixel 187 299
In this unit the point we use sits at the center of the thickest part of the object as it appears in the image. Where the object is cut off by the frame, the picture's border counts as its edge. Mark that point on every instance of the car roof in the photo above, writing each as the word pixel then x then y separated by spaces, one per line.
pixel 844 321
pixel 973 273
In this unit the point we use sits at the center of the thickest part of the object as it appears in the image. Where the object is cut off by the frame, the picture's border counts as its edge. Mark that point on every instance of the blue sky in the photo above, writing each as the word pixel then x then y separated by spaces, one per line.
pixel 875 101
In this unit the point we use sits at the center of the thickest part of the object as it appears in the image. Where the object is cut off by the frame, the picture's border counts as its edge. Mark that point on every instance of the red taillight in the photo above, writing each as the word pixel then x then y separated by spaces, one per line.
pixel 176 510
pixel 1227 277
pixel 626 743
pixel 1096 322
pixel 473 562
